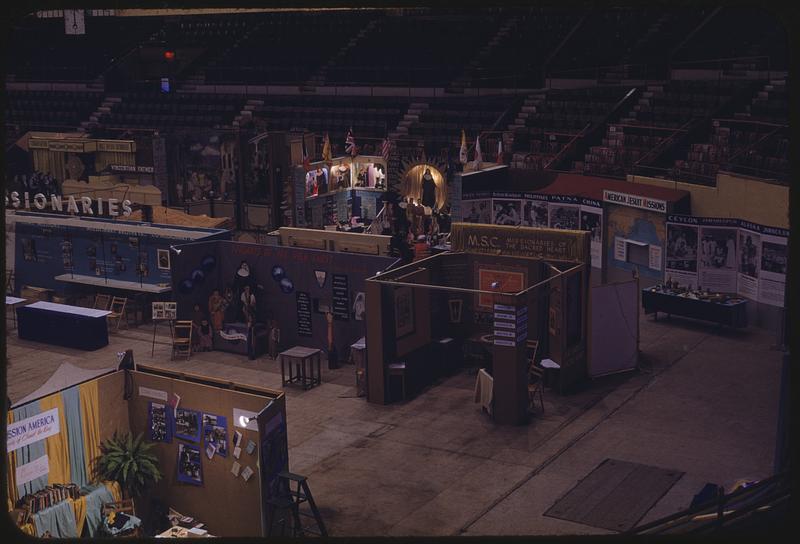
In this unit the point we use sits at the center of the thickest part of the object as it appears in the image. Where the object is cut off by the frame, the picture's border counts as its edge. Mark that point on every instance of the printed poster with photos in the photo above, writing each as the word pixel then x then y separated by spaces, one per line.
pixel 215 433
pixel 535 214
pixel 478 211
pixel 164 311
pixel 749 263
pixel 187 424
pixel 718 270
pixel 592 221
pixel 774 257
pixel 507 212
pixel 564 216
pixel 159 422
pixel 190 465
pixel 681 265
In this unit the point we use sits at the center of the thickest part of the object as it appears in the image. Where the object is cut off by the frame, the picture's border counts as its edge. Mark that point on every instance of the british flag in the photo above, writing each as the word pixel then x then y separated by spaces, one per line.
pixel 350 143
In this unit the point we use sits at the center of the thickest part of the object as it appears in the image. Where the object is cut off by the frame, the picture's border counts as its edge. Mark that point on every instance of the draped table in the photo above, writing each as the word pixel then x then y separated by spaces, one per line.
pixel 63 325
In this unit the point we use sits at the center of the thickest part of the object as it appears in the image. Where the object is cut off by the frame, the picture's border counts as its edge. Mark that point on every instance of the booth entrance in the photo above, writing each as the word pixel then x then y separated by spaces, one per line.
pixel 504 300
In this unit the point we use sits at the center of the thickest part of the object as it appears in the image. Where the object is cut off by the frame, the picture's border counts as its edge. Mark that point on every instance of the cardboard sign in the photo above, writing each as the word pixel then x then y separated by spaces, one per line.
pixel 34 469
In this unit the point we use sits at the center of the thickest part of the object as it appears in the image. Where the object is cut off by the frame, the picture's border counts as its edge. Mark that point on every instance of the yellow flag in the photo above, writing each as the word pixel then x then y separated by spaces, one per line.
pixel 326 149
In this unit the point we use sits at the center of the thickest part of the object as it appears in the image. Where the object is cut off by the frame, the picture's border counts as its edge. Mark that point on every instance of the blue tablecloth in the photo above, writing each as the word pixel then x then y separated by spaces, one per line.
pixel 58 520
pixel 62 325
pixel 96 497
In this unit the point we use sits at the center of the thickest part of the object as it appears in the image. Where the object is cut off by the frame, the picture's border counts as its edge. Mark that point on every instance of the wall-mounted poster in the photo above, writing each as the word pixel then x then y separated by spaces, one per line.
pixel 681 265
pixel 478 211
pixel 772 280
pixel 718 259
pixel 749 263
pixel 403 311
pixel 341 297
pixel 159 422
pixel 501 281
pixel 163 259
pixel 592 221
pixel 190 468
pixel 564 216
pixel 171 310
pixel 534 213
pixel 507 212
pixel 360 306
pixel 187 424
pixel 215 433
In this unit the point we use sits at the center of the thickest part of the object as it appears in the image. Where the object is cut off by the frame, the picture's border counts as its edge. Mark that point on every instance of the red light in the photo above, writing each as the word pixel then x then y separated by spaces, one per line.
pixel 169 55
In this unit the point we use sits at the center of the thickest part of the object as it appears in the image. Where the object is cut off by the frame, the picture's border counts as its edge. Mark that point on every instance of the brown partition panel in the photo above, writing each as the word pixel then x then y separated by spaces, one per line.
pixel 227 504
pixel 112 406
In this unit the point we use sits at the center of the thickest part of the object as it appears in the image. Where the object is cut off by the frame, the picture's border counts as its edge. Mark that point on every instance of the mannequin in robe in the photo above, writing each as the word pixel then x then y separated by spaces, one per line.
pixel 428 189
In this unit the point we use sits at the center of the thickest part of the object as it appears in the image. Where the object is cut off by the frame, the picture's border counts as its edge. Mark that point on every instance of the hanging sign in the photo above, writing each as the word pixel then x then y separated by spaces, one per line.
pixel 32 429
pixel 34 469
pixel 635 201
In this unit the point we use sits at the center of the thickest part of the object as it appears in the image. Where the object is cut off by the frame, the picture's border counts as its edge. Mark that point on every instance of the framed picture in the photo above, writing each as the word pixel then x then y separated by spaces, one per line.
pixel 505 280
pixel 403 311
pixel 171 310
pixel 455 305
pixel 190 468
pixel 187 425
pixel 158 311
pixel 159 422
pixel 163 259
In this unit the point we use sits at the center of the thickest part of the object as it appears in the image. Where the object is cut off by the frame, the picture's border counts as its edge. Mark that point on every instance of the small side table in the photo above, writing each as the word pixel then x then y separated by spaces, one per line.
pixel 301 360
pixel 12 302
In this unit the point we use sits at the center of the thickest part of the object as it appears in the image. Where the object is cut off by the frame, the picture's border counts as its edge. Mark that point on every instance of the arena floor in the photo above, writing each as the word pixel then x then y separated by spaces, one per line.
pixel 704 401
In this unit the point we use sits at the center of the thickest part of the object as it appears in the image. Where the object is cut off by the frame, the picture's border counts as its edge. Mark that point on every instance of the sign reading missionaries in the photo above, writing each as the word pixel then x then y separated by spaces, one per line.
pixel 303 313
pixel 341 300
pixel 533 243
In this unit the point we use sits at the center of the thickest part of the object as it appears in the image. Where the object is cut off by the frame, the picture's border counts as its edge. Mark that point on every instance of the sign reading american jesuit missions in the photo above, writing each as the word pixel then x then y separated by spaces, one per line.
pixel 32 429
pixel 634 201
pixel 35 469
pixel 528 242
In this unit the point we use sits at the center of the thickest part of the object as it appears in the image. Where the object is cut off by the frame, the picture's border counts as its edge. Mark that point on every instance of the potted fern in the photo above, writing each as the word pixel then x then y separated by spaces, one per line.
pixel 129 461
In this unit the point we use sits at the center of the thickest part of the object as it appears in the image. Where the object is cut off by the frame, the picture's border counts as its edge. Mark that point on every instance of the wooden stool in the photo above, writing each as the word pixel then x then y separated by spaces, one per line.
pixel 399 369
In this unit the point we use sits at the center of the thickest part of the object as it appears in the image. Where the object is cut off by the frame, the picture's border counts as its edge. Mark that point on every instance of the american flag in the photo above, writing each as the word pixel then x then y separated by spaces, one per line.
pixel 385 148
pixel 350 143
pixel 500 150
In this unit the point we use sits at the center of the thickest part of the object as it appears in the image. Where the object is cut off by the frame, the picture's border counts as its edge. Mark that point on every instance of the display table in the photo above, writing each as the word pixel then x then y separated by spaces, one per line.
pixel 12 303
pixel 302 361
pixel 99 281
pixel 732 313
pixel 63 325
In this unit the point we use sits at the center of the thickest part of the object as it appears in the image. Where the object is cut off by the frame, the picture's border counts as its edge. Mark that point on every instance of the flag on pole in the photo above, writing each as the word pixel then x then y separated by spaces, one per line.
pixel 500 150
pixel 350 143
pixel 462 153
pixel 306 158
pixel 385 148
pixel 326 149
pixel 478 155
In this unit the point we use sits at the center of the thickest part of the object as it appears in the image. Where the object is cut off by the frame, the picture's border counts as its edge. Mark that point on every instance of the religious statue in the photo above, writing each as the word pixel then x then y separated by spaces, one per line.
pixel 428 189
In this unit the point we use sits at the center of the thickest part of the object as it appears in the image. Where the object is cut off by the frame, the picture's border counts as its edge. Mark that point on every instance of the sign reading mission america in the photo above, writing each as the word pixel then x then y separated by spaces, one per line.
pixel 30 430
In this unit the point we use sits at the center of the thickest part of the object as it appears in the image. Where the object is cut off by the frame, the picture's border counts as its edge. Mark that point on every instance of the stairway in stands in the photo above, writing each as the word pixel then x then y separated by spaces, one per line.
pixel 318 79
pixel 465 79
pixel 519 125
pixel 762 97
pixel 105 107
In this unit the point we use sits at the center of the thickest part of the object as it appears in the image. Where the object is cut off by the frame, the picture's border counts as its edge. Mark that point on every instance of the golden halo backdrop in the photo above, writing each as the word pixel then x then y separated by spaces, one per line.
pixel 411 186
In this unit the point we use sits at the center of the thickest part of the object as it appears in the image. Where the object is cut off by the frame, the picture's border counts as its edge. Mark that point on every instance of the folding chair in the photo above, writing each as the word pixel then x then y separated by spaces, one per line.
pixel 535 376
pixel 101 302
pixel 124 507
pixel 182 339
pixel 117 310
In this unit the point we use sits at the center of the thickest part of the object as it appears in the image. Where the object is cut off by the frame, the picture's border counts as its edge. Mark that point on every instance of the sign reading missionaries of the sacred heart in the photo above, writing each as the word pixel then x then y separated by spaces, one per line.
pixel 341 298
pixel 303 314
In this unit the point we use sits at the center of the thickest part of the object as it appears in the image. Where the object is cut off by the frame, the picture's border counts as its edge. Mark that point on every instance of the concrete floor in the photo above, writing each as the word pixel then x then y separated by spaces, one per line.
pixel 703 401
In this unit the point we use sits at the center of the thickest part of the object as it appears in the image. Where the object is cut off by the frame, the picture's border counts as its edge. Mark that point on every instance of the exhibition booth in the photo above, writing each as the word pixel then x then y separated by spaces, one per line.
pixel 78 256
pixel 499 292
pixel 337 191
pixel 314 298
pixel 213 442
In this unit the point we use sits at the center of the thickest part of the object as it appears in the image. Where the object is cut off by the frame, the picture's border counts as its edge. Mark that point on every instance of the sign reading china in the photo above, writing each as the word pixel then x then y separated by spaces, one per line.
pixel 30 430
pixel 634 201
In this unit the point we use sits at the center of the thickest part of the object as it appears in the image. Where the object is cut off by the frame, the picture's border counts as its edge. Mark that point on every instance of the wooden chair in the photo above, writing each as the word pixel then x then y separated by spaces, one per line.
pixel 182 339
pixel 117 310
pixel 126 507
pixel 101 302
pixel 535 376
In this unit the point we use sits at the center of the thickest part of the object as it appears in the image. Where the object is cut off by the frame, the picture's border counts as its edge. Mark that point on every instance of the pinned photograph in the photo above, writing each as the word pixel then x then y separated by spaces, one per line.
pixel 190 468
pixel 163 259
pixel 215 433
pixel 187 424
pixel 159 423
